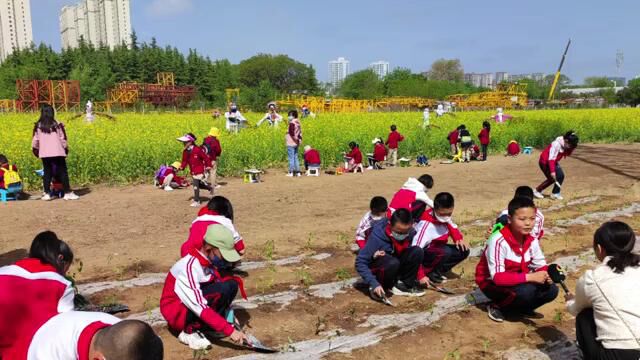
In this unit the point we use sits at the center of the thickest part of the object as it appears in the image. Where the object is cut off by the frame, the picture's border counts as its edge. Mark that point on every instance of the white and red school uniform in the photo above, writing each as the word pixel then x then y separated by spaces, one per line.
pixel 182 293
pixel 68 336
pixel 30 294
pixel 538 226
pixel 411 191
pixel 553 153
pixel 432 233
pixel 199 227
pixel 504 263
pixel 364 229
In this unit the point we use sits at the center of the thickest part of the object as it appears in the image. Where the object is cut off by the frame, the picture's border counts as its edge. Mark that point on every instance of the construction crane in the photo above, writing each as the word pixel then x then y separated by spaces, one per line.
pixel 557 77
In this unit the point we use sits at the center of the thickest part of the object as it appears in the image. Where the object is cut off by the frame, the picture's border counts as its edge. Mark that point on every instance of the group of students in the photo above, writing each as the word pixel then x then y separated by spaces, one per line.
pixel 403 248
pixel 462 145
pixel 38 320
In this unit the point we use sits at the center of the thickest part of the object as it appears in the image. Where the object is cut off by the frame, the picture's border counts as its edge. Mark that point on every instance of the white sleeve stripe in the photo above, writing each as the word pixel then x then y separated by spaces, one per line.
pixel 192 283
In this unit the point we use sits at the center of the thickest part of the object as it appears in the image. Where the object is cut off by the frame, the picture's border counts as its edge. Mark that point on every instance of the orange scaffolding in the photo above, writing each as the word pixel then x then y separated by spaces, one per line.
pixel 320 104
pixel 63 95
pixel 164 93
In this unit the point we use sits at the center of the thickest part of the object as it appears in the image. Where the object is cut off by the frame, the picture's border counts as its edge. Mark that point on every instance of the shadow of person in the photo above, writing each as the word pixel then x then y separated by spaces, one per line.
pixel 82 191
pixel 12 256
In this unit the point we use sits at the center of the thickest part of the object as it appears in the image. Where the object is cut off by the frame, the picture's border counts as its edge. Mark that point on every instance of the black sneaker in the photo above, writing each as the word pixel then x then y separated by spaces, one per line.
pixel 401 289
pixel 494 313
pixel 435 278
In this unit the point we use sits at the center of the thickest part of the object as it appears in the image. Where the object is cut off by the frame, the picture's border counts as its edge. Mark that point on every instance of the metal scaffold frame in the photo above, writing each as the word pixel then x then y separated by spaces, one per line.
pixel 63 95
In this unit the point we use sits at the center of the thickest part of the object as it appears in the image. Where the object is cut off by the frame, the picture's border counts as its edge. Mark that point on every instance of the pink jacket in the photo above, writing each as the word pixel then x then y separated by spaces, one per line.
pixel 52 144
pixel 294 133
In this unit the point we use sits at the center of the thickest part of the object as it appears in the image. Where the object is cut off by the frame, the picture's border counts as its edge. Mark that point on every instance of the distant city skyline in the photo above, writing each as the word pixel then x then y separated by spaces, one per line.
pixel 16 31
pixel 338 70
pixel 420 33
pixel 104 22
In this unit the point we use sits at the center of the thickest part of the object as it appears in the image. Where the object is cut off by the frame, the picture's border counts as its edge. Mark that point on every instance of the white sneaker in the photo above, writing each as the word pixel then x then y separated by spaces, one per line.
pixel 45 197
pixel 168 188
pixel 195 204
pixel 557 196
pixel 290 174
pixel 195 340
pixel 71 196
pixel 298 174
pixel 217 186
pixel 537 194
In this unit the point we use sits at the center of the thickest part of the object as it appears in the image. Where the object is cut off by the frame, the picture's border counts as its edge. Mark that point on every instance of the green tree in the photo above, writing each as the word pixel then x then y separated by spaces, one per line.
pixel 446 70
pixel 364 84
pixel 598 82
pixel 631 94
pixel 285 74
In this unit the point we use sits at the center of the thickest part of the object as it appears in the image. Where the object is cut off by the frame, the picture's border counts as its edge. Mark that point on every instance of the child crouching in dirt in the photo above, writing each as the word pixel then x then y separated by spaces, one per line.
pixel 513 149
pixel 388 263
pixel 433 228
pixel 9 177
pixel 503 219
pixel 167 177
pixel 377 211
pixel 412 190
pixel 218 211
pixel 199 163
pixel 195 299
pixel 512 271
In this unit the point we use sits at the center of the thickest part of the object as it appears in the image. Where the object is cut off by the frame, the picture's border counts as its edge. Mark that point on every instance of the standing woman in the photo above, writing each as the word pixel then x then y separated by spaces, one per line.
pixel 49 143
pixel 607 299
pixel 293 140
pixel 550 158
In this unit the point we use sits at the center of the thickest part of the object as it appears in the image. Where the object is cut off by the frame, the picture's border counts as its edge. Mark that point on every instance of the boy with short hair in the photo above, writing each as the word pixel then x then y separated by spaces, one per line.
pixel 503 219
pixel 213 149
pixel 388 262
pixel 512 271
pixel 196 298
pixel 198 162
pixel 412 190
pixel 91 335
pixel 378 208
pixel 392 142
pixel 434 227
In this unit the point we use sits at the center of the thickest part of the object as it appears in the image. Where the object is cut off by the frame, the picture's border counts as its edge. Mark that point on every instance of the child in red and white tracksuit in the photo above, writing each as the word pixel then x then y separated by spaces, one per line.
pixel 198 162
pixel 432 235
pixel 412 190
pixel 392 142
pixel 195 297
pixel 377 211
pixel 512 271
pixel 31 292
pixel 549 163
pixel 538 227
pixel 218 211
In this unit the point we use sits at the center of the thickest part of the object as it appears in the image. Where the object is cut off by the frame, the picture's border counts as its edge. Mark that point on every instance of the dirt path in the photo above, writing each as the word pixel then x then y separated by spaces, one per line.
pixel 122 232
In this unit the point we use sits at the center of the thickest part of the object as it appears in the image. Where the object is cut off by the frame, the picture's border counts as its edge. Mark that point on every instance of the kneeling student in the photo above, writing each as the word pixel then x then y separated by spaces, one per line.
pixel 91 335
pixel 388 262
pixel 377 210
pixel 512 271
pixel 433 229
pixel 195 298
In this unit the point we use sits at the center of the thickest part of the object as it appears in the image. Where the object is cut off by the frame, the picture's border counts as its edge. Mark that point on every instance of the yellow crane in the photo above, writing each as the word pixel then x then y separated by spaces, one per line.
pixel 557 77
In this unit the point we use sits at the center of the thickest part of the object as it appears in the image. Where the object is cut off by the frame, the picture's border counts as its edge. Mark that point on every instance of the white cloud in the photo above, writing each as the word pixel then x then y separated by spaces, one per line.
pixel 169 7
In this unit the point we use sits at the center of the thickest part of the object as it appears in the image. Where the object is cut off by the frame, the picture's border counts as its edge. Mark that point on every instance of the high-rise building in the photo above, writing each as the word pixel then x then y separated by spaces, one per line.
pixel 487 80
pixel 99 22
pixel 15 26
pixel 502 77
pixel 381 68
pixel 338 70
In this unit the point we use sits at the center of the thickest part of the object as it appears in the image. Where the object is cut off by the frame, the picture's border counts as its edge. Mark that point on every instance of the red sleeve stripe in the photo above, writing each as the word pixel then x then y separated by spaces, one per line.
pixel 496 255
pixel 192 283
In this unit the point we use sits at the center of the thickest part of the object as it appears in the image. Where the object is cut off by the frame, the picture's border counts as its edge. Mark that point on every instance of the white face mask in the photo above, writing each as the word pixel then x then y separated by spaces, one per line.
pixel 376 218
pixel 290 117
pixel 442 219
pixel 398 236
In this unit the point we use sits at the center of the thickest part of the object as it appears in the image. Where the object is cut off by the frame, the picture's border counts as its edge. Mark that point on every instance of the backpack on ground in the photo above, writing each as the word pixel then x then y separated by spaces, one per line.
pixel 11 177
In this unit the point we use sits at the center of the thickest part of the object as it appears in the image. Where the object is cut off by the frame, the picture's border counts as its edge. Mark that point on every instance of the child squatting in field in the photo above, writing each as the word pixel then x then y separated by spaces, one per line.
pixel 198 162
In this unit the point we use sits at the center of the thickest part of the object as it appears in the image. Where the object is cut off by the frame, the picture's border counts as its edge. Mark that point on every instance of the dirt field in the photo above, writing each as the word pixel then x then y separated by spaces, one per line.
pixel 126 232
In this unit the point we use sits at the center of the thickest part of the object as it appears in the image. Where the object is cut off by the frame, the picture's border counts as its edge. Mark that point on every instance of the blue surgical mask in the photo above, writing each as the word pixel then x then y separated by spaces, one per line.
pixel 399 237
pixel 217 262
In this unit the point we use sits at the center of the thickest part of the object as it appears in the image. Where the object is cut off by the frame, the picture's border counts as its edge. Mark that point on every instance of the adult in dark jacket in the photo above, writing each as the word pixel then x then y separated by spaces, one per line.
pixel 388 262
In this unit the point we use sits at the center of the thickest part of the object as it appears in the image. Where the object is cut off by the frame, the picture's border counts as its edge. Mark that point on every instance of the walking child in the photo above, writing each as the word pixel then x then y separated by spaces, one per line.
pixel 512 271
pixel 213 149
pixel 393 140
pixel 485 138
pixel 198 162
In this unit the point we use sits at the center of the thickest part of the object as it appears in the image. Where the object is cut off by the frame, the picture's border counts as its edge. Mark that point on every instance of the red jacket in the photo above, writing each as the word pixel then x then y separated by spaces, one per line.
pixel 356 155
pixel 453 137
pixel 504 263
pixel 312 157
pixel 379 152
pixel 30 294
pixel 199 227
pixel 484 137
pixel 393 139
pixel 196 159
pixel 5 166
pixel 513 149
pixel 213 144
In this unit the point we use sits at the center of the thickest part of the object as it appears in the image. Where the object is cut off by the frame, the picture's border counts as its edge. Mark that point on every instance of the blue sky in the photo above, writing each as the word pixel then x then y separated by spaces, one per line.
pixel 487 36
